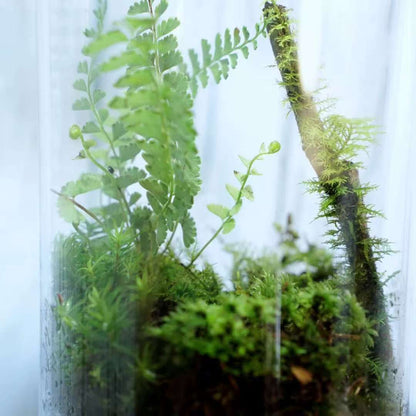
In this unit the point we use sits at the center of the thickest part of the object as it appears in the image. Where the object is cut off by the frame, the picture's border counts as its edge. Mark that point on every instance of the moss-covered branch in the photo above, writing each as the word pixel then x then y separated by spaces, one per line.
pixel 338 179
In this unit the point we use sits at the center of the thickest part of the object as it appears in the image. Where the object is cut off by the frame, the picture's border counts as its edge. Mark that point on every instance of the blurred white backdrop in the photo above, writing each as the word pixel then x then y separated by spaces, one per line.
pixel 366 52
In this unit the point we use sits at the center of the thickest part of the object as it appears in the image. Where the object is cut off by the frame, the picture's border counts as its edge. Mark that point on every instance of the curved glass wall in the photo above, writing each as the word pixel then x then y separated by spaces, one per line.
pixel 264 311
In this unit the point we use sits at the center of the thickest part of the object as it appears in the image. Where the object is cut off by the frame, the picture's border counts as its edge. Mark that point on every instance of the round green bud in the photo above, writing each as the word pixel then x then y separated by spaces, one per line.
pixel 274 147
pixel 75 132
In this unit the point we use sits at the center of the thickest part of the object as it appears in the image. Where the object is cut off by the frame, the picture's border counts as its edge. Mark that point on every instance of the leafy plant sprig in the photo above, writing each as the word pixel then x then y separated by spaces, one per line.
pixel 225 55
pixel 237 194
pixel 143 140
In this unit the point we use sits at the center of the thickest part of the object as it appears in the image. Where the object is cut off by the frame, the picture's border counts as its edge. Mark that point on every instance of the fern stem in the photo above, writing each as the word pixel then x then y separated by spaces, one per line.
pixel 101 167
pixel 101 124
pixel 229 217
pixel 110 141
pixel 81 207
pixel 169 242
pixel 159 80
pixel 93 159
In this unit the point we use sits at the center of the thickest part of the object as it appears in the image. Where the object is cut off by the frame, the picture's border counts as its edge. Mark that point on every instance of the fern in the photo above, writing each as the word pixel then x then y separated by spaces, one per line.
pixel 142 142
pixel 224 56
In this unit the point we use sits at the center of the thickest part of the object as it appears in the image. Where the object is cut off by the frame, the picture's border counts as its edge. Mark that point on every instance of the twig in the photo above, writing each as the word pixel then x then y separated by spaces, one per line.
pixel 348 204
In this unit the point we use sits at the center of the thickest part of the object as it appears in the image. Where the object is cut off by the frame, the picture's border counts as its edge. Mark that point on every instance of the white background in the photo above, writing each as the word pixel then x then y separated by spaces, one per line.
pixel 364 49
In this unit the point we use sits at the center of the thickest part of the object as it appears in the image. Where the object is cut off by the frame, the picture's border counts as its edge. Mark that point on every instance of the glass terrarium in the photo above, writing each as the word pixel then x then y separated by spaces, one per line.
pixel 141 315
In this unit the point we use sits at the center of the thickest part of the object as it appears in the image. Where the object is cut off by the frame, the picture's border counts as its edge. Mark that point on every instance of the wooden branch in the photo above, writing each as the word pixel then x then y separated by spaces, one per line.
pixel 347 204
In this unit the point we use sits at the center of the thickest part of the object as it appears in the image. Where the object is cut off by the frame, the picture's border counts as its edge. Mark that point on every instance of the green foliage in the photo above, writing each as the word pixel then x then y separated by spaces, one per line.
pixel 333 144
pixel 237 194
pixel 224 56
pixel 323 331
pixel 345 141
pixel 107 295
pixel 144 138
pixel 155 323
pixel 233 332
pixel 140 332
pixel 147 125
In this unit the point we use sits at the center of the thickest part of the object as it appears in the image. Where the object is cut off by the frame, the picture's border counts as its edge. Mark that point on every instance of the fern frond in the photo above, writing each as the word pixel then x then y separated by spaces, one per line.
pixel 156 112
pixel 224 56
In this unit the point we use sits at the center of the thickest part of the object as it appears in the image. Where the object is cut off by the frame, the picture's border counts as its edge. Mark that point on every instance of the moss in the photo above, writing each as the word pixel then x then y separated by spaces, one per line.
pixel 141 331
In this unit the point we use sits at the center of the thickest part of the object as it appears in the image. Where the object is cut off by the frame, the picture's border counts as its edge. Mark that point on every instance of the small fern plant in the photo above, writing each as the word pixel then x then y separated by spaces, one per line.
pixel 142 142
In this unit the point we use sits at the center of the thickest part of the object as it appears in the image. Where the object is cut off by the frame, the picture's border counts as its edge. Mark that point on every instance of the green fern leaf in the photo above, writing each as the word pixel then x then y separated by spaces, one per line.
pixel 219 210
pixel 154 188
pixel 233 60
pixel 169 60
pixel 140 77
pixel 97 96
pixel 155 204
pixel 161 232
pixel 246 34
pixel 225 68
pixel 236 208
pixel 233 191
pixel 131 176
pixel 206 54
pixel 139 8
pixel 228 46
pixel 196 67
pixel 188 230
pixel 237 37
pixel 240 177
pixel 86 183
pixel 229 226
pixel 82 68
pixel 203 77
pixel 118 130
pixel 67 211
pixel 103 42
pixel 90 128
pixel 245 51
pixel 218 52
pixel 139 25
pixel 81 105
pixel 167 26
pixel 103 114
pixel 161 8
pixel 216 72
pixel 245 161
pixel 80 85
pixel 167 44
pixel 134 197
pixel 127 58
pixel 129 151
pixel 248 193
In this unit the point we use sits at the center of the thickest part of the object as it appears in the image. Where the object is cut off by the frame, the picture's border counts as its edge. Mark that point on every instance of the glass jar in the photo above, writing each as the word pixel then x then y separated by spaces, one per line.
pixel 141 317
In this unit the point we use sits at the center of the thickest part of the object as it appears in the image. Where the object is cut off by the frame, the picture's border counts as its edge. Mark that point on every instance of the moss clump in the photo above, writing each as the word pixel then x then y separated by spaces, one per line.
pixel 154 336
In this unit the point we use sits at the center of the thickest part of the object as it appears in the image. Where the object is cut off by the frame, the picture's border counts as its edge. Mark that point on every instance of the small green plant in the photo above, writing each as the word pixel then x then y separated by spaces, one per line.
pixel 144 141
pixel 140 330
